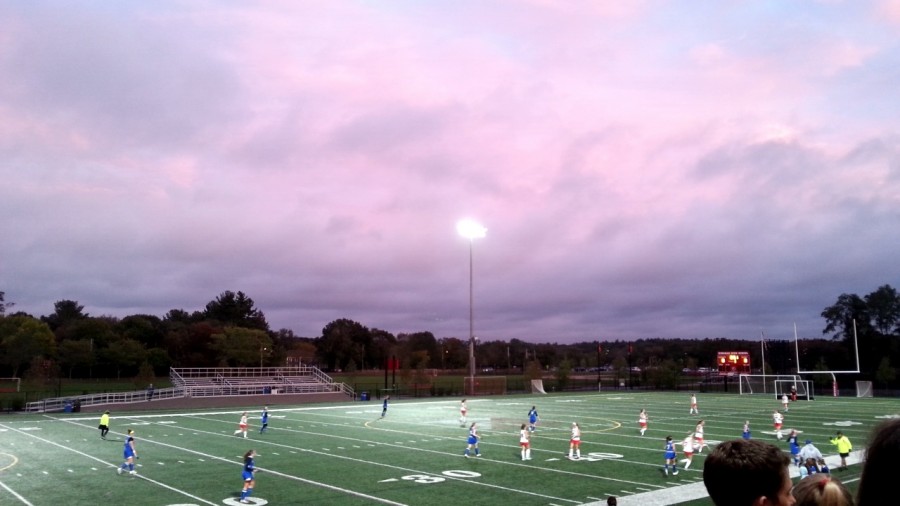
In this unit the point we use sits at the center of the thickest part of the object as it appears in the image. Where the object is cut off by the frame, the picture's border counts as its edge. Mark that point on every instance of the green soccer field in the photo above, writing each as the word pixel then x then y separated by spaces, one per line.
pixel 346 454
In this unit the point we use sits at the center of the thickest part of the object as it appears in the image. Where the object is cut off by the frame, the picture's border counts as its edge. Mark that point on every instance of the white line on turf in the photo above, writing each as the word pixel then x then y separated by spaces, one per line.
pixel 13 492
pixel 182 492
pixel 268 471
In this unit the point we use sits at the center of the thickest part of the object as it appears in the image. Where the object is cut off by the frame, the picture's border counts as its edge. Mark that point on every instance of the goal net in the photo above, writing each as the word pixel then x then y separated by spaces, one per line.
pixel 864 389
pixel 485 385
pixel 786 387
pixel 537 387
pixel 756 384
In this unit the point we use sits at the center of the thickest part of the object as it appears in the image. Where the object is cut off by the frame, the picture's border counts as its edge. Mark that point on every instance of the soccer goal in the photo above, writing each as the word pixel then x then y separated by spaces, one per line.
pixel 537 387
pixel 10 384
pixel 485 385
pixel 756 384
pixel 864 389
pixel 785 387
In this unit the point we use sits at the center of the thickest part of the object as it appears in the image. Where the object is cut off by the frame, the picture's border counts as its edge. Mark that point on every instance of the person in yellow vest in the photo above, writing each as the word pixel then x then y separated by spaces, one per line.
pixel 843 448
pixel 104 424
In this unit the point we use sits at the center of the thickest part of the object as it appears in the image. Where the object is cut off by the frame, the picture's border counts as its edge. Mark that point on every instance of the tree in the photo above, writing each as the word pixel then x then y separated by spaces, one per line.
pixel 338 340
pixel 75 353
pixel 839 318
pixel 4 305
pixel 23 339
pixel 64 312
pixel 124 354
pixel 145 329
pixel 239 346
pixel 236 310
pixel 884 308
pixel 885 374
pixel 563 374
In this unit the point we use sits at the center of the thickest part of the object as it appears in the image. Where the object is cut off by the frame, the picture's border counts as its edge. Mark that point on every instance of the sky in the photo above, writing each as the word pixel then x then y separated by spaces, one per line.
pixel 644 169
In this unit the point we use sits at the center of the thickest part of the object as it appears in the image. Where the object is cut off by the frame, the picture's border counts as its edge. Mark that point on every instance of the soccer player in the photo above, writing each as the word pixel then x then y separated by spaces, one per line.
pixel 670 457
pixel 746 433
pixel 472 441
pixel 104 424
pixel 694 409
pixel 532 418
pixel 525 442
pixel 777 421
pixel 384 405
pixel 575 442
pixel 698 436
pixel 687 446
pixel 129 453
pixel 264 419
pixel 794 446
pixel 784 402
pixel 642 421
pixel 242 426
pixel 462 413
pixel 247 474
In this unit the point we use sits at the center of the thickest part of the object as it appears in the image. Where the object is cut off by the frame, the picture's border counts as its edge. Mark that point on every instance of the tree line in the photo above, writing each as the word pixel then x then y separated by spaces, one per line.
pixel 231 331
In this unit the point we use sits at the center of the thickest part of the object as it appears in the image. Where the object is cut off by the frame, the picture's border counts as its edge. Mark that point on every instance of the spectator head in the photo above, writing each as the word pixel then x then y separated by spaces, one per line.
pixel 877 479
pixel 822 490
pixel 740 472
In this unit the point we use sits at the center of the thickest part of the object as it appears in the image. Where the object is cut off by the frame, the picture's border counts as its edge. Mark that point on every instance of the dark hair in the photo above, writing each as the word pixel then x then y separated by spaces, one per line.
pixel 611 501
pixel 877 479
pixel 759 467
pixel 248 455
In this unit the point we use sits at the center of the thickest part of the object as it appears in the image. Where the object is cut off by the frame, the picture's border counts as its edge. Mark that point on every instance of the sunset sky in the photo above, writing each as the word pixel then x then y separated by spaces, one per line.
pixel 643 168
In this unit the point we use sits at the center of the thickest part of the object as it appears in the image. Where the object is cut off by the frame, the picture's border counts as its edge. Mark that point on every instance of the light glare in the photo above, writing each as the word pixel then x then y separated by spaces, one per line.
pixel 470 229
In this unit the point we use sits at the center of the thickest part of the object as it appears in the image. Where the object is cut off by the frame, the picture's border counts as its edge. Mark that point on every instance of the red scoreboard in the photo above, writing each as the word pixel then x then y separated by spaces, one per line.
pixel 733 362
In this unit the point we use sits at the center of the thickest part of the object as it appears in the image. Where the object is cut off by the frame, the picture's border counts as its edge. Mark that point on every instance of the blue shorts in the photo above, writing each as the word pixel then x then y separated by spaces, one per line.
pixel 473 440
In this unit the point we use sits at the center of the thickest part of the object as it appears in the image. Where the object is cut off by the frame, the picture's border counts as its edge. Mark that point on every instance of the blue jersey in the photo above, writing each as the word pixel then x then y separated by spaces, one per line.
pixel 265 417
pixel 746 433
pixel 473 436
pixel 384 405
pixel 128 451
pixel 670 450
pixel 532 416
pixel 795 448
pixel 249 467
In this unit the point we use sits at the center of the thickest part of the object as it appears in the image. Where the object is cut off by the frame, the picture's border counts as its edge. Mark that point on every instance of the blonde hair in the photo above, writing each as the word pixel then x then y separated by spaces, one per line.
pixel 821 490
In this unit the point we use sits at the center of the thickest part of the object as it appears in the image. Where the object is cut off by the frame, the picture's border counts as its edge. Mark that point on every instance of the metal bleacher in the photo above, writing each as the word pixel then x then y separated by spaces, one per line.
pixel 225 381
pixel 214 382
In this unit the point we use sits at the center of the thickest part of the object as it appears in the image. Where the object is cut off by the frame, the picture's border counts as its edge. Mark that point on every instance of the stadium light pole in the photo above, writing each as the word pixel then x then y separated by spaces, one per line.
pixel 261 350
pixel 471 230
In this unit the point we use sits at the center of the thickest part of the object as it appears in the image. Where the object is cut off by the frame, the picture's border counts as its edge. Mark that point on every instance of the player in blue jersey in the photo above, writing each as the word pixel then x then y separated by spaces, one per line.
pixel 472 441
pixel 129 453
pixel 532 418
pixel 247 474
pixel 384 405
pixel 746 432
pixel 670 457
pixel 264 419
pixel 794 446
